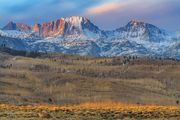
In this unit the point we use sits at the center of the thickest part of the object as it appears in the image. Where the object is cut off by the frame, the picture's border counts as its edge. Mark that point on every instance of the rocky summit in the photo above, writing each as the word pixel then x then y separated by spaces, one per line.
pixel 78 35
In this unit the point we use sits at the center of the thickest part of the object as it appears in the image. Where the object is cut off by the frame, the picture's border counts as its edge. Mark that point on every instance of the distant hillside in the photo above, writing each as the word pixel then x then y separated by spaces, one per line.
pixel 4 49
pixel 61 79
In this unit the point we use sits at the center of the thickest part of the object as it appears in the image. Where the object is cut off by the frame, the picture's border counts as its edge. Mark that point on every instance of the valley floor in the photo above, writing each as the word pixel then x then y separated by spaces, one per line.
pixel 90 111
pixel 148 87
pixel 65 79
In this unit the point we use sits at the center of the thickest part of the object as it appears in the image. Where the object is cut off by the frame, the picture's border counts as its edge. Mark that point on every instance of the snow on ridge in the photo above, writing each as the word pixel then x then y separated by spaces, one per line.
pixel 15 34
pixel 134 39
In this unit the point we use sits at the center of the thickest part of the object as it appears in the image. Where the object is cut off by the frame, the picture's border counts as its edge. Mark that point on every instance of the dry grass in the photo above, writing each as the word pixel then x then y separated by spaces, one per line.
pixel 72 79
pixel 90 111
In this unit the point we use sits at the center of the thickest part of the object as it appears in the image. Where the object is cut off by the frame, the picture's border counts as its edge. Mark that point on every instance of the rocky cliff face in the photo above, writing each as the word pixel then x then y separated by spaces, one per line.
pixel 49 29
pixel 74 25
pixel 77 35
pixel 70 27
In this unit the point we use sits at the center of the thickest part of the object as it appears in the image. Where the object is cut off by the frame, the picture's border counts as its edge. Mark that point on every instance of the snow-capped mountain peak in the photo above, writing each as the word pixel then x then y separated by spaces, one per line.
pixel 135 22
pixel 75 20
pixel 74 26
pixel 78 35
pixel 17 26
pixel 10 26
pixel 140 31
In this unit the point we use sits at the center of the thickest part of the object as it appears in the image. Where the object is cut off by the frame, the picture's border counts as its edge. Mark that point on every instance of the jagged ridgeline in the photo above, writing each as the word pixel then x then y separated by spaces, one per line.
pixel 78 35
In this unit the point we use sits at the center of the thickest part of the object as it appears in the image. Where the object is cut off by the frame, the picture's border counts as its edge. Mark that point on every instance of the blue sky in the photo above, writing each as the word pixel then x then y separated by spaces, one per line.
pixel 107 14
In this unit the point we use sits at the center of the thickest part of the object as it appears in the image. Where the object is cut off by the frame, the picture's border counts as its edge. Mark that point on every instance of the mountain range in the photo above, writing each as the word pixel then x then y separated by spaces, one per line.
pixel 78 35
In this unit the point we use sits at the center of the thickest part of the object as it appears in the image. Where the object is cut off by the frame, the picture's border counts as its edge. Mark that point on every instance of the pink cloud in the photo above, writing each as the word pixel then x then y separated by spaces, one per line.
pixel 103 8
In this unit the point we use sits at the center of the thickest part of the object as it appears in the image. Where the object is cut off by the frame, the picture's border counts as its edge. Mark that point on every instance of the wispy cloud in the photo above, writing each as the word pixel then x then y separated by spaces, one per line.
pixel 103 8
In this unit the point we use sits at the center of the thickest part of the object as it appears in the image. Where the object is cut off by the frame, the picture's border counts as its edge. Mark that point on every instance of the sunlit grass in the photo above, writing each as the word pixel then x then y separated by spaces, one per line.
pixel 98 110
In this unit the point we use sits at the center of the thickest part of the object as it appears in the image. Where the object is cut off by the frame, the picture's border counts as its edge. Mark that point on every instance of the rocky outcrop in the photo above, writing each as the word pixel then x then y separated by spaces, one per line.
pixel 17 26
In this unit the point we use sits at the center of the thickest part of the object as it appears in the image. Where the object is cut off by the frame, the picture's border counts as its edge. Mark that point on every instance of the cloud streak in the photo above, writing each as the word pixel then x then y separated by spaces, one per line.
pixel 103 8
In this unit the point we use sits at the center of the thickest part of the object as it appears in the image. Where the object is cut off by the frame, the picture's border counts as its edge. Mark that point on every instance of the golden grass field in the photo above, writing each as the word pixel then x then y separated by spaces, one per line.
pixel 89 111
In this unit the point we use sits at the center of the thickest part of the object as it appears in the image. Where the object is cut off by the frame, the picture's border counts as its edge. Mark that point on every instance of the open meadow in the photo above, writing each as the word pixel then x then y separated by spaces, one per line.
pixel 41 87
